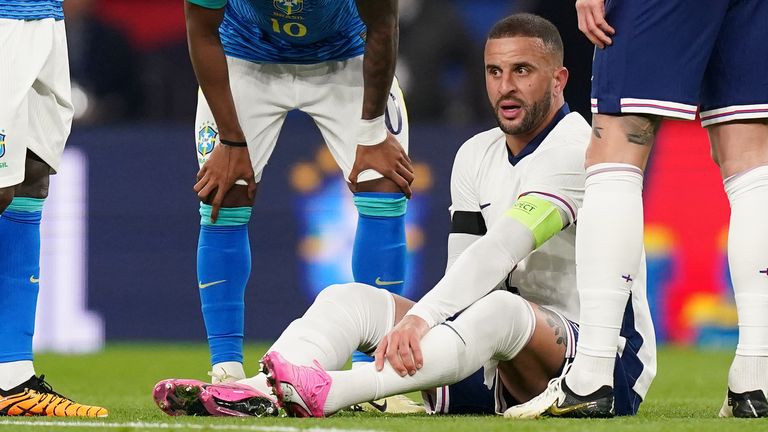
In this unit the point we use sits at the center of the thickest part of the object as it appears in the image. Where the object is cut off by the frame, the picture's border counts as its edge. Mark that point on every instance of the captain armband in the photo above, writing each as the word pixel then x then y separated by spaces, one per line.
pixel 538 215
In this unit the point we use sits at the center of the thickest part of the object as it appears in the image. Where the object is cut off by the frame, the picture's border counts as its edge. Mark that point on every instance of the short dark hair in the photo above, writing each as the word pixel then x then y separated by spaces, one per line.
pixel 530 25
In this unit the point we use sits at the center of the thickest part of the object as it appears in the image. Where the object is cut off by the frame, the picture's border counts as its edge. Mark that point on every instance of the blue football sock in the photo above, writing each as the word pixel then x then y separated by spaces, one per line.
pixel 19 276
pixel 223 268
pixel 379 254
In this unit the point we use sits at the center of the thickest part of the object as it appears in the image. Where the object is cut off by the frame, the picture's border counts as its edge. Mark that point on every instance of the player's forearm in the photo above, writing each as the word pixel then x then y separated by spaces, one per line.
pixel 476 272
pixel 210 65
pixel 380 17
pixel 457 244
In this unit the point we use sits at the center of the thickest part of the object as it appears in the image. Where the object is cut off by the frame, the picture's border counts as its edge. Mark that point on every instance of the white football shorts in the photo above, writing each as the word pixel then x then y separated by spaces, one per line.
pixel 330 92
pixel 35 95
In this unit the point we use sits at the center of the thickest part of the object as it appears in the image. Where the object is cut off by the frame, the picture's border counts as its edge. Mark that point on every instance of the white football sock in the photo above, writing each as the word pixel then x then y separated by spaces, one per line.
pixel 609 244
pixel 226 372
pixel 452 351
pixel 342 319
pixel 15 373
pixel 748 262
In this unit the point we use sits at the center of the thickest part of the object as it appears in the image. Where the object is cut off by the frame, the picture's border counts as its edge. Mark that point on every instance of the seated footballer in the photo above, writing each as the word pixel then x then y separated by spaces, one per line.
pixel 503 320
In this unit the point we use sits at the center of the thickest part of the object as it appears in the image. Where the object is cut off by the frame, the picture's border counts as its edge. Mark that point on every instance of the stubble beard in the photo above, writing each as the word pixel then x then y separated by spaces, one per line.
pixel 533 115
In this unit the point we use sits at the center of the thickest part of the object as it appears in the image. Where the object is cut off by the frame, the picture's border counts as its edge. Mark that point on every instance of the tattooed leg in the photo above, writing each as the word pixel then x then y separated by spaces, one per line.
pixel 527 375
pixel 622 139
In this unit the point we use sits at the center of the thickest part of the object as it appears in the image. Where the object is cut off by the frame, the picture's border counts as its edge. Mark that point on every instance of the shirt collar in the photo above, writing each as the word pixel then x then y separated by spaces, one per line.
pixel 538 139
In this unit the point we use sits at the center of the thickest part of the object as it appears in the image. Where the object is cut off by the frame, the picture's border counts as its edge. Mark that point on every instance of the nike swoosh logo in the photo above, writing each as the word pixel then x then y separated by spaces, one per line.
pixel 380 407
pixel 33 279
pixel 206 285
pixel 482 206
pixel 559 412
pixel 380 282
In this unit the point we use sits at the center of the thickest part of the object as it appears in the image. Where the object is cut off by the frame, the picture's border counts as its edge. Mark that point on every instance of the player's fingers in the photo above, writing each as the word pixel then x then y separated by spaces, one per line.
pixel 401 182
pixel 353 176
pixel 406 162
pixel 602 23
pixel 199 184
pixel 404 173
pixel 393 355
pixel 251 189
pixel 592 31
pixel 418 357
pixel 405 154
pixel 216 203
pixel 596 32
pixel 407 356
pixel 378 355
pixel 206 189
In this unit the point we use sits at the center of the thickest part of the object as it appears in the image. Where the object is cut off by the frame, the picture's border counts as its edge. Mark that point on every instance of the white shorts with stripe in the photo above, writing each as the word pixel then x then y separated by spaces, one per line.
pixel 330 92
pixel 36 109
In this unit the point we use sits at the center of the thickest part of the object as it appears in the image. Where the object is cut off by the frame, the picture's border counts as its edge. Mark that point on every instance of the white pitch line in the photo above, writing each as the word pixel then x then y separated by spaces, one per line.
pixel 194 426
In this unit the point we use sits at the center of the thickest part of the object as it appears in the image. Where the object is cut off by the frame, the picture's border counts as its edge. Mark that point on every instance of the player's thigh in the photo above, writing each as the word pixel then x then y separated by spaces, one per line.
pixel 50 112
pixel 735 84
pixel 734 102
pixel 261 94
pixel 656 63
pixel 26 46
pixel 553 341
pixel 332 94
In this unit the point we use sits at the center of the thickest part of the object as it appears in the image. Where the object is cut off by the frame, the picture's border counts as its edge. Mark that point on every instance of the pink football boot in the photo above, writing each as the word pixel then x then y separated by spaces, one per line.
pixel 300 390
pixel 197 398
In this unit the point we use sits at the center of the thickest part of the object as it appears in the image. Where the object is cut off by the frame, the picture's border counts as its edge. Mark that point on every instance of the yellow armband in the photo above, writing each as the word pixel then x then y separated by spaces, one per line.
pixel 538 215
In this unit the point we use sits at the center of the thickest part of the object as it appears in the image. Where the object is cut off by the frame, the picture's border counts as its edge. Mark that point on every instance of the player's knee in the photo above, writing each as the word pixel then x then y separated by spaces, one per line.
pixel 379 185
pixel 36 180
pixel 504 303
pixel 348 292
pixel 6 196
pixel 236 197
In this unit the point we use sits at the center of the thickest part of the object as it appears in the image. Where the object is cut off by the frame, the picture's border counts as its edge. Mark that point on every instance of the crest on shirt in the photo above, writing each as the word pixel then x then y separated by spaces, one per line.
pixel 2 145
pixel 206 139
pixel 289 7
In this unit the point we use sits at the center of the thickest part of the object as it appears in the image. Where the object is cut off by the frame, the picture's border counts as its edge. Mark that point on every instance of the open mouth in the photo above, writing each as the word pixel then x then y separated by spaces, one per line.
pixel 509 109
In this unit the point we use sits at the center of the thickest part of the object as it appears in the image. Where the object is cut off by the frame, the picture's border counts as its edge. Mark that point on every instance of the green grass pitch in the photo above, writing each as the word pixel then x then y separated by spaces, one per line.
pixel 686 396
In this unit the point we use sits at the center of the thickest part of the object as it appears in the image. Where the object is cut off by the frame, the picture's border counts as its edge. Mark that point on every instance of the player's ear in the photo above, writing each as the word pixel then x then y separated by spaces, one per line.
pixel 560 79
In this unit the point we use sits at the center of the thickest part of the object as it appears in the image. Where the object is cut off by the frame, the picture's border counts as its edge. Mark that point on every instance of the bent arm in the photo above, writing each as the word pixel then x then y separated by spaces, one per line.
pixel 524 227
pixel 380 18
pixel 210 64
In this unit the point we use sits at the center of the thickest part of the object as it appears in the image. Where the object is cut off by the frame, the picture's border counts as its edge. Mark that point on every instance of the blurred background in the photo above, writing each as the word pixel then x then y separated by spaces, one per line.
pixel 120 227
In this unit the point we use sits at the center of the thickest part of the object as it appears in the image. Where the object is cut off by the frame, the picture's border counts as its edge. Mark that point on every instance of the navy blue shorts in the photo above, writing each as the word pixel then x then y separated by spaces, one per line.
pixel 671 56
pixel 472 396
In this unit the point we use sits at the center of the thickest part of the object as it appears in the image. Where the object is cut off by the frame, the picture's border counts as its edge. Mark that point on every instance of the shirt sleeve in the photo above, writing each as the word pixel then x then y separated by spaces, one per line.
pixel 467 223
pixel 558 175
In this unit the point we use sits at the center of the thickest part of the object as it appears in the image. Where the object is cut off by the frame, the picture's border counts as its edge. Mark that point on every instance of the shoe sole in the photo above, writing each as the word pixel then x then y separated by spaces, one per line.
pixel 177 399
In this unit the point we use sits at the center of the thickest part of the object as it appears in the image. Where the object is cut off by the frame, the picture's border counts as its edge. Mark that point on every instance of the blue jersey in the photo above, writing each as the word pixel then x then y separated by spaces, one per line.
pixel 31 9
pixel 291 31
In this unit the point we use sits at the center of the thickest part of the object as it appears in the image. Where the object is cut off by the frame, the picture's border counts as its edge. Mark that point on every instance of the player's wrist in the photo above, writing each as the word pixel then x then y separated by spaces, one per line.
pixel 233 143
pixel 424 316
pixel 371 131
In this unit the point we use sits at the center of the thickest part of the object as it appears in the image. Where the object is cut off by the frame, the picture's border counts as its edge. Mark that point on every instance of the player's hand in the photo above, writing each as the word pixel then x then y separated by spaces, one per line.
pixel 401 347
pixel 592 22
pixel 389 159
pixel 219 173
